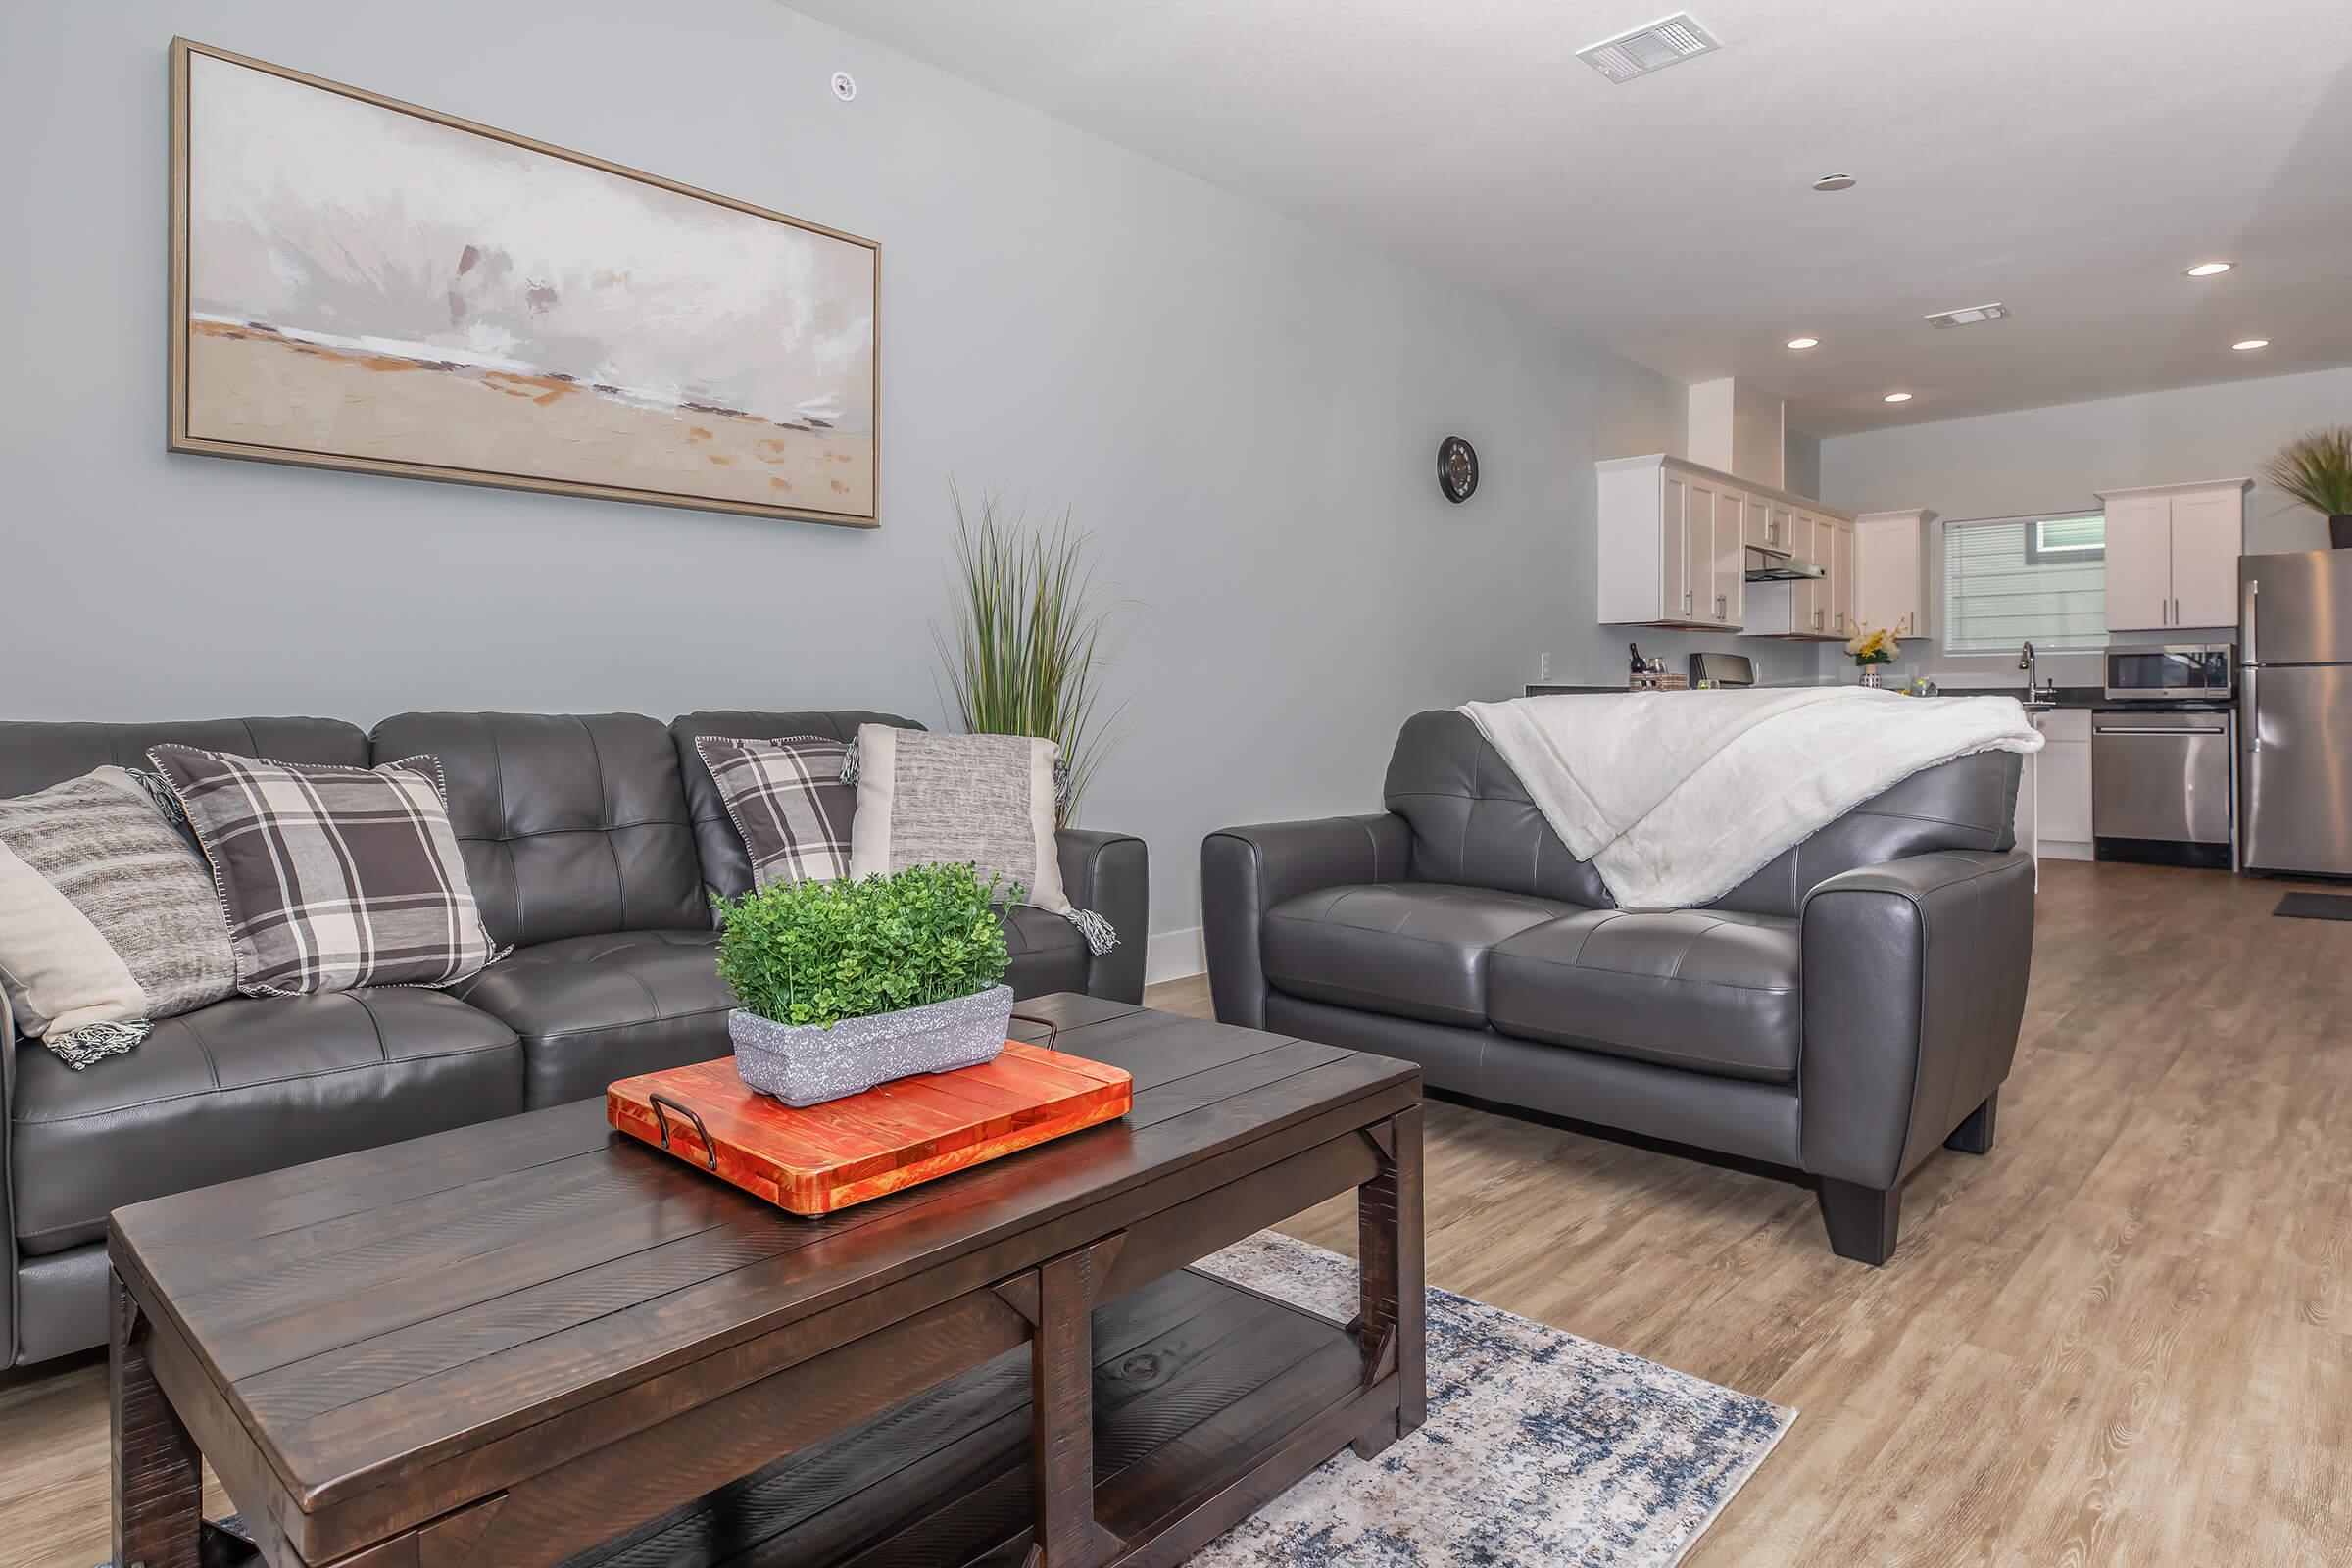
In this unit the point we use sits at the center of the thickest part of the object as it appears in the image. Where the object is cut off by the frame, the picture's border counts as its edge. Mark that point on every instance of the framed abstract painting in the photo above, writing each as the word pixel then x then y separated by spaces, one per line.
pixel 362 284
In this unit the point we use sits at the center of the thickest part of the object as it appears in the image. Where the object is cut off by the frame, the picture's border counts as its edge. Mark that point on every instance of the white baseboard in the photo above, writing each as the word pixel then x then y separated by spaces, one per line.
pixel 2064 849
pixel 1174 955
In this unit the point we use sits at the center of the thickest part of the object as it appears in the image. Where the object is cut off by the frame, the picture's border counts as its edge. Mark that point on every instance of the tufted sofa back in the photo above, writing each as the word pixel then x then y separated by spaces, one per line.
pixel 34 755
pixel 726 867
pixel 572 824
pixel 1473 823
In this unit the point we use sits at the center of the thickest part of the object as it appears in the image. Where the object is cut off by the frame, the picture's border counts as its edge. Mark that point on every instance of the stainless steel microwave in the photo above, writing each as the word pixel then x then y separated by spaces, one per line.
pixel 2171 672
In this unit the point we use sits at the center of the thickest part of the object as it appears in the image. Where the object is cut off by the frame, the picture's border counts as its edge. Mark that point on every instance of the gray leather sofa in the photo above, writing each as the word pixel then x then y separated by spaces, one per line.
pixel 1842 1013
pixel 590 840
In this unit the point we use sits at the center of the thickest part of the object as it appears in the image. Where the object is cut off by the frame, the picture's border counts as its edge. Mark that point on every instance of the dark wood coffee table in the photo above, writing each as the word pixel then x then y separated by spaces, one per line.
pixel 535 1341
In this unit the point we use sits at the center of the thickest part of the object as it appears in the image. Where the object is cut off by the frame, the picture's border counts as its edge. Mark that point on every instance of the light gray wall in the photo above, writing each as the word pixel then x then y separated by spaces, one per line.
pixel 1244 411
pixel 2034 460
pixel 1801 462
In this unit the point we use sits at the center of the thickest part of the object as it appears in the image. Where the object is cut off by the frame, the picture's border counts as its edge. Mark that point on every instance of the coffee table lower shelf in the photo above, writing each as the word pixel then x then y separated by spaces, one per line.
pixel 1208 1400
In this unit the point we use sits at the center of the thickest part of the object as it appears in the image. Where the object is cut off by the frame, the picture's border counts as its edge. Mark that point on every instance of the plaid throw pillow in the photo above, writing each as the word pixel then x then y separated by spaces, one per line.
pixel 332 877
pixel 787 800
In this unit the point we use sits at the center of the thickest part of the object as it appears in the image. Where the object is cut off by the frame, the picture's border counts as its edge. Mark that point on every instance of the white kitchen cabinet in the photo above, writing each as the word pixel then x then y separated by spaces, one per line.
pixel 2053 795
pixel 2209 534
pixel 1674 550
pixel 1731 557
pixel 1811 608
pixel 2140 563
pixel 1890 576
pixel 2171 555
pixel 1705 503
pixel 1840 579
pixel 1808 606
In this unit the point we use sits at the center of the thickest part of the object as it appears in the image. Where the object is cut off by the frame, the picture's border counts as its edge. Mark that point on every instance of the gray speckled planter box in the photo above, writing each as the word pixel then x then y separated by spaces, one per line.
pixel 806 1064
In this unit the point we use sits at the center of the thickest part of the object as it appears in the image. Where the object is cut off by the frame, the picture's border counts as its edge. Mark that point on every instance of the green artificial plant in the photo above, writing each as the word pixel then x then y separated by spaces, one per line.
pixel 2316 468
pixel 816 952
pixel 1027 648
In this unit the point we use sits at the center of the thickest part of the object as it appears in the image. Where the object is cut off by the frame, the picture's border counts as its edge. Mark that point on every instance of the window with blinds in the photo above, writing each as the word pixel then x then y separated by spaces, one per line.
pixel 2011 580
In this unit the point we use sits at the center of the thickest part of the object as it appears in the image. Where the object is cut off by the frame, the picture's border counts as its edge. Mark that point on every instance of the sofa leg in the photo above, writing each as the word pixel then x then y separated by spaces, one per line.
pixel 1975 1135
pixel 1861 1220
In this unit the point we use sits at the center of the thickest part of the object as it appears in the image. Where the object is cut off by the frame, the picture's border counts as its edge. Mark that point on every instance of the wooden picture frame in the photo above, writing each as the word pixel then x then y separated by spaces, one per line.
pixel 245 385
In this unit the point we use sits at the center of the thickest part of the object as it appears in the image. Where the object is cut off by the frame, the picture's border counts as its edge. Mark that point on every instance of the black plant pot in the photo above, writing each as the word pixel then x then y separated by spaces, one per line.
pixel 2339 530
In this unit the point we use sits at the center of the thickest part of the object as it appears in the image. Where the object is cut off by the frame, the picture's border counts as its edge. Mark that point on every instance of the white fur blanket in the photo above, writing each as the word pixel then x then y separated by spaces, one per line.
pixel 1678 796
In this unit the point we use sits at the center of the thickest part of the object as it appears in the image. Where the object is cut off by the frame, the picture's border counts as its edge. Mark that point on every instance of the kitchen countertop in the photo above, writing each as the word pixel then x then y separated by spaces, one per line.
pixel 2066 695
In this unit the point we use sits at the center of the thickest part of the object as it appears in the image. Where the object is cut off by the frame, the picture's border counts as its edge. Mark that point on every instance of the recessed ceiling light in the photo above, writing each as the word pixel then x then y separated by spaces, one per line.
pixel 2210 269
pixel 2243 344
pixel 1804 342
pixel 1897 397
pixel 1836 182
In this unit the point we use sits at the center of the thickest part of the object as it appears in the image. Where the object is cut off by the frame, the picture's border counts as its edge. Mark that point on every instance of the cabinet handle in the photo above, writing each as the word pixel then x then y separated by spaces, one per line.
pixel 1722 611
pixel 1686 601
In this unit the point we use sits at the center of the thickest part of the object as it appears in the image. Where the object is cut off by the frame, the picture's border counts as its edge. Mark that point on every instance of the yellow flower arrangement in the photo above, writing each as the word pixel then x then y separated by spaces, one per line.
pixel 1874 645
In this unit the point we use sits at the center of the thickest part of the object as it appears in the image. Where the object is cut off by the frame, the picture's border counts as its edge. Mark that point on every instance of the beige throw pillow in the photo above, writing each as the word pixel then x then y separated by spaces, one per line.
pixel 925 799
pixel 108 919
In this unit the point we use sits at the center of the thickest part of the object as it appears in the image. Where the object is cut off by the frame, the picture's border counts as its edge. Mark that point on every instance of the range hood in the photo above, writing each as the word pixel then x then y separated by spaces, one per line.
pixel 1777 566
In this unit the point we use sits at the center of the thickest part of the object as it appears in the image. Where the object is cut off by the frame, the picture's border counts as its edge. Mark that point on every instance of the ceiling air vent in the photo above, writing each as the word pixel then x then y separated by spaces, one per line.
pixel 1968 316
pixel 1651 48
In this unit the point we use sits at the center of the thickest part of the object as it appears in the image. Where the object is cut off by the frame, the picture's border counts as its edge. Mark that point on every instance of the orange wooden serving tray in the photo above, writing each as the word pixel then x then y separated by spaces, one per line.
pixel 844 1151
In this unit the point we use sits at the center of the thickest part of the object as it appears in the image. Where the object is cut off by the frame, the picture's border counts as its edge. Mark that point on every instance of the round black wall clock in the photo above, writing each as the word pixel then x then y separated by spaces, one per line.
pixel 1457 468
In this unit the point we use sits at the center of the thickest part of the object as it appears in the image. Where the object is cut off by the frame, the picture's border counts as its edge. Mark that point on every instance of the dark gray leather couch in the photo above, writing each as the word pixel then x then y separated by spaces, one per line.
pixel 1843 1012
pixel 592 842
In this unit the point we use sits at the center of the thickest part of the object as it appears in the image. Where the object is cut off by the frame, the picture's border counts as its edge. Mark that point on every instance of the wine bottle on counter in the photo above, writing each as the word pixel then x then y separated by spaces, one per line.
pixel 1641 664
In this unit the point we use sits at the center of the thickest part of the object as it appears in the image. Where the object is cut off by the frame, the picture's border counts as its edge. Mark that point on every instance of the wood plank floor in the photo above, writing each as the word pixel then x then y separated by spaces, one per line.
pixel 2125 1337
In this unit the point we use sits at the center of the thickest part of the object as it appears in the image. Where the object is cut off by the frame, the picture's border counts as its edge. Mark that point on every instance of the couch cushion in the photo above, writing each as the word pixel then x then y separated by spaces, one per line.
pixel 591 1009
pixel 572 824
pixel 241 1086
pixel 1707 990
pixel 1048 953
pixel 726 868
pixel 1415 949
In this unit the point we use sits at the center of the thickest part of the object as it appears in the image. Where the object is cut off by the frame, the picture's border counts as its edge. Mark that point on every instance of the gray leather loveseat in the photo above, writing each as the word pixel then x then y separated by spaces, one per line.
pixel 1842 1013
pixel 590 840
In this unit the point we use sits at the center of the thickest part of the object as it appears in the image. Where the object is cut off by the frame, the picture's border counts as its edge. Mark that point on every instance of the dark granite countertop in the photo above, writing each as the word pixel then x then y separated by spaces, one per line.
pixel 2066 696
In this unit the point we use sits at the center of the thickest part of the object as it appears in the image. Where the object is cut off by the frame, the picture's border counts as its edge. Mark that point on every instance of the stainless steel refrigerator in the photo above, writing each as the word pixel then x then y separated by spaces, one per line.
pixel 2295 718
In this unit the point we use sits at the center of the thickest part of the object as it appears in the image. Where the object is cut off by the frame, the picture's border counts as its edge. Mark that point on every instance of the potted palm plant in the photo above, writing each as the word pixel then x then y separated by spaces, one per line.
pixel 844 985
pixel 2316 468
pixel 1027 648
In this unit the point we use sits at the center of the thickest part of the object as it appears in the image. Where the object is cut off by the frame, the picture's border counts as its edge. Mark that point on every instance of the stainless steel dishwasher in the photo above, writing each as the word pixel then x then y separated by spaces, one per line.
pixel 2160 783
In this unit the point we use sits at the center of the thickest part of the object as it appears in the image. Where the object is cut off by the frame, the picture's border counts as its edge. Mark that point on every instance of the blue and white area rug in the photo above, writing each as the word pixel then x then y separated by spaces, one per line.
pixel 1539 1447
pixel 1542 1450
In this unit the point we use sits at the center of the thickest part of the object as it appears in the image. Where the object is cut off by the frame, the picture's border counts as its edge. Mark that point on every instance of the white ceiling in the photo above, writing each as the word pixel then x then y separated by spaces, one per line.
pixel 2065 157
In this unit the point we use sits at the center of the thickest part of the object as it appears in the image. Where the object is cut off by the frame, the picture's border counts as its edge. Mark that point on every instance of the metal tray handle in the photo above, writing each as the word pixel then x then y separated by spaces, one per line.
pixel 1053 1029
pixel 709 1150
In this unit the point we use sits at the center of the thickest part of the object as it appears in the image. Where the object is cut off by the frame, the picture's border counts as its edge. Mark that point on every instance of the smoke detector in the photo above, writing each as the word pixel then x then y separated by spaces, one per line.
pixel 1646 49
pixel 1968 316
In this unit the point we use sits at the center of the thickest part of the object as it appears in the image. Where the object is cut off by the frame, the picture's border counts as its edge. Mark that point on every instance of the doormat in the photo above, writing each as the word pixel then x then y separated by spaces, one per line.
pixel 2315 907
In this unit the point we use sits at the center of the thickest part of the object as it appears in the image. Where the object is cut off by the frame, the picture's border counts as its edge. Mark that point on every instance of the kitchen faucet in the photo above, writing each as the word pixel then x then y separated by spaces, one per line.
pixel 2027 662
